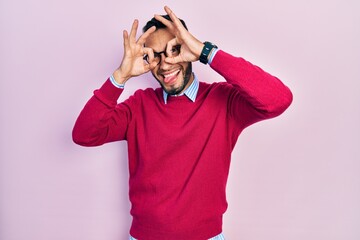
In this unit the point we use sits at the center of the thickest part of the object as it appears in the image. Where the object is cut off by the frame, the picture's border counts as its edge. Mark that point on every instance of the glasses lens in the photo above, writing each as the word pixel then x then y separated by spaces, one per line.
pixel 157 58
pixel 175 51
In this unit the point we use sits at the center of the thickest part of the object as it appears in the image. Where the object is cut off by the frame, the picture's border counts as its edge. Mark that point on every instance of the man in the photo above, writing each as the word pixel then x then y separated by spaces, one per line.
pixel 180 136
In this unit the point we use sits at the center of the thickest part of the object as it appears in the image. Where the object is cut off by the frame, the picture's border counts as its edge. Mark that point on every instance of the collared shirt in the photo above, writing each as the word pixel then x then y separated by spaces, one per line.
pixel 190 92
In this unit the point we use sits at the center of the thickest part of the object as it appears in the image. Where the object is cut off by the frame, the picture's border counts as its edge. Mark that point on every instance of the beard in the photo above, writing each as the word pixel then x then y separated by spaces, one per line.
pixel 186 78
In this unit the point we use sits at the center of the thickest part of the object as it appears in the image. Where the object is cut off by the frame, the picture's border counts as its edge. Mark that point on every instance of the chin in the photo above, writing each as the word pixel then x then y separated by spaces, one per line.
pixel 173 90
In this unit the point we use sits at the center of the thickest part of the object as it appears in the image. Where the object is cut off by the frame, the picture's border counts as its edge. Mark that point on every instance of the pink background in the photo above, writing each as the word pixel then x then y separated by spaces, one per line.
pixel 294 177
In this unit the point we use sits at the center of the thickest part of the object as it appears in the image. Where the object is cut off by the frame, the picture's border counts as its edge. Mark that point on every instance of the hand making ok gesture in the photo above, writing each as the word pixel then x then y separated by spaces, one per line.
pixel 190 46
pixel 132 63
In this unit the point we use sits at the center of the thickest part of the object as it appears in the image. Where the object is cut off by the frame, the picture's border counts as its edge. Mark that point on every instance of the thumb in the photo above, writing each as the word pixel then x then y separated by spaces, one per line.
pixel 173 60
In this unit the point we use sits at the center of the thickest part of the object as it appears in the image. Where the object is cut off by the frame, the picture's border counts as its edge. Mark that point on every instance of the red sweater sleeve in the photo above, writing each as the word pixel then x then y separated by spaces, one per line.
pixel 102 119
pixel 257 95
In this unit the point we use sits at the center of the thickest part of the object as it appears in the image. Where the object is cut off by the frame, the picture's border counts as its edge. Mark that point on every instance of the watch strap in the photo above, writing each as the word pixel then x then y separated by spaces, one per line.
pixel 204 56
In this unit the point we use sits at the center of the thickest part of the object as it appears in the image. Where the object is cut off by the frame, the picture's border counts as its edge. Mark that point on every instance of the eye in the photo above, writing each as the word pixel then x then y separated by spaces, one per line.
pixel 176 50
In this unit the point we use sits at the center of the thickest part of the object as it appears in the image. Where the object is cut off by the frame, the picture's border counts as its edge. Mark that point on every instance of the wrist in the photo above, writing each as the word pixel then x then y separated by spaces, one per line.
pixel 206 52
pixel 118 77
pixel 112 80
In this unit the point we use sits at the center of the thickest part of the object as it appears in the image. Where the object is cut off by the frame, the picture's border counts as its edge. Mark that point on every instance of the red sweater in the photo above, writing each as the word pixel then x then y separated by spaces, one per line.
pixel 179 152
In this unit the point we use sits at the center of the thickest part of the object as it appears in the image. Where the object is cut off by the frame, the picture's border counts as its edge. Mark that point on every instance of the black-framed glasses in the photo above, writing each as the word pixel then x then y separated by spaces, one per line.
pixel 175 51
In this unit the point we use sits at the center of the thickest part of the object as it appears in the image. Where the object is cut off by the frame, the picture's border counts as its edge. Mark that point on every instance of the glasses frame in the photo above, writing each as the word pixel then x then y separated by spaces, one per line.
pixel 158 54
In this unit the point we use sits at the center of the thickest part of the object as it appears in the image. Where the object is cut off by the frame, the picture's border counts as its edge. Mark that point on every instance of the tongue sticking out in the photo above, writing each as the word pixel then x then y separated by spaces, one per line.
pixel 171 77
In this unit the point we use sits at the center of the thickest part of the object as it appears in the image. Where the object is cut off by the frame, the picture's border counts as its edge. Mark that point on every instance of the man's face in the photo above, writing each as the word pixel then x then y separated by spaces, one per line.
pixel 173 78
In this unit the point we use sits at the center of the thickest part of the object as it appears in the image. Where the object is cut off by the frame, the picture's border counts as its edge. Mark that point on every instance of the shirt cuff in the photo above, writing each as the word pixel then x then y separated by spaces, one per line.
pixel 112 80
pixel 212 55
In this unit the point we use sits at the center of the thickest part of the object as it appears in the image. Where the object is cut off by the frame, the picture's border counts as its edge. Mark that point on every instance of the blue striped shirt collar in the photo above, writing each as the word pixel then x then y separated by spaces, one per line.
pixel 190 92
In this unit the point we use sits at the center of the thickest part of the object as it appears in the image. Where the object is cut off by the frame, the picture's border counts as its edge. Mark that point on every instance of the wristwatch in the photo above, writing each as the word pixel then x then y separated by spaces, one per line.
pixel 208 47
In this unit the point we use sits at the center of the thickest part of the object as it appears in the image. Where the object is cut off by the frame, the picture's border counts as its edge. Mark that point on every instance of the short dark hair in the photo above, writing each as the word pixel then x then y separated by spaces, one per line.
pixel 159 25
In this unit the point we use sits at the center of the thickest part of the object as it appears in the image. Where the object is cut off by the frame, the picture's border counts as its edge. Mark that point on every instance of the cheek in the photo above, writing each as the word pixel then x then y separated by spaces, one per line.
pixel 185 65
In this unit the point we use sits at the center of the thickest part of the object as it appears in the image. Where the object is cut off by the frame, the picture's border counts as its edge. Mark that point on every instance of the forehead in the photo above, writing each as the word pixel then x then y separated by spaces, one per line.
pixel 158 39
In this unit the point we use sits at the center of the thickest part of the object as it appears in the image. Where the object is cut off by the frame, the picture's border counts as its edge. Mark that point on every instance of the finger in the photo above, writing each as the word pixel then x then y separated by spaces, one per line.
pixel 126 39
pixel 173 17
pixel 170 44
pixel 164 21
pixel 145 35
pixel 134 30
pixel 150 54
pixel 152 63
pixel 149 67
pixel 173 60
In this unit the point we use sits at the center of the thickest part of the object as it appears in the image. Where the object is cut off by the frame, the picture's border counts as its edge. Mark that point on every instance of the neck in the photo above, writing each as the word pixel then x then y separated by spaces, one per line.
pixel 188 84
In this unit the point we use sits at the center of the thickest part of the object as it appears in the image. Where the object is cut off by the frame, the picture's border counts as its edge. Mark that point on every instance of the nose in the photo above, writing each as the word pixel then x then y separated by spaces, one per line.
pixel 164 65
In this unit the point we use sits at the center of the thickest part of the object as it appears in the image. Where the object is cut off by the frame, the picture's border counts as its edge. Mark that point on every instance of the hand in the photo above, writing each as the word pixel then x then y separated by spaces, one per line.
pixel 190 46
pixel 132 63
